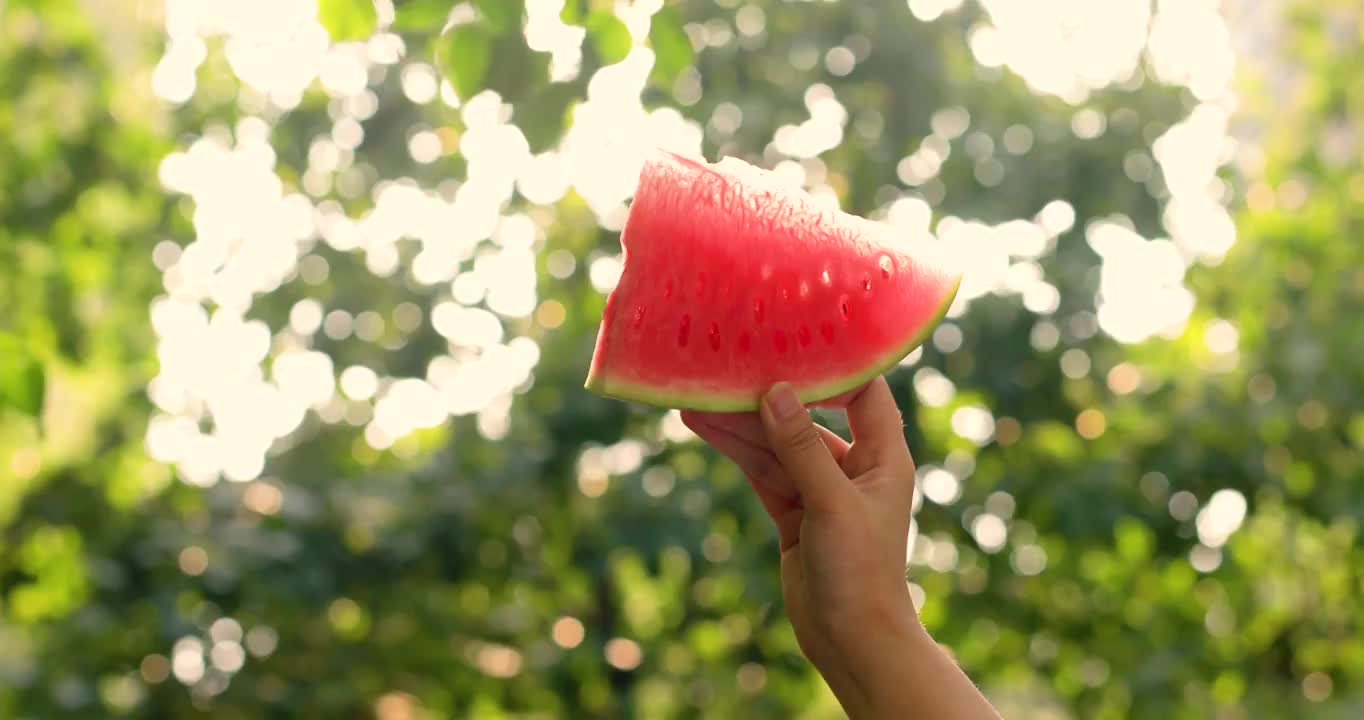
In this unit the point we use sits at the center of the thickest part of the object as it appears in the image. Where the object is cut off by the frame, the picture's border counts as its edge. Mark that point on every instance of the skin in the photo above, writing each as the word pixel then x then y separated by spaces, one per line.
pixel 842 512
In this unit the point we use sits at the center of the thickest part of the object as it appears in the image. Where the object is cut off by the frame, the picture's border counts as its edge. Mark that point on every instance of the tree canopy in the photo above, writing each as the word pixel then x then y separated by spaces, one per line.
pixel 299 296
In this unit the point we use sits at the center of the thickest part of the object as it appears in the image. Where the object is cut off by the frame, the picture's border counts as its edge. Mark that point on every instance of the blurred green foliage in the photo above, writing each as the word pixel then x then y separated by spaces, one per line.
pixel 454 575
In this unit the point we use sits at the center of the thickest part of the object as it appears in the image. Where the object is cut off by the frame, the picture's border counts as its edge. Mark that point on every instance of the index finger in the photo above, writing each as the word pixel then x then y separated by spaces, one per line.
pixel 749 426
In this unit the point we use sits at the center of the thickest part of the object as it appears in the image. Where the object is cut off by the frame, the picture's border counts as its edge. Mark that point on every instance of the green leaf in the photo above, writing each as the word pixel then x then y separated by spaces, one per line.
pixel 572 12
pixel 468 53
pixel 544 115
pixel 421 14
pixel 22 380
pixel 347 19
pixel 516 72
pixel 610 37
pixel 501 15
pixel 671 45
pixel 1356 430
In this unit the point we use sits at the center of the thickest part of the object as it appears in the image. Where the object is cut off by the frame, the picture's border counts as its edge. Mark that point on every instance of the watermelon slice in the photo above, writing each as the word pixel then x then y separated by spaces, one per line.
pixel 734 280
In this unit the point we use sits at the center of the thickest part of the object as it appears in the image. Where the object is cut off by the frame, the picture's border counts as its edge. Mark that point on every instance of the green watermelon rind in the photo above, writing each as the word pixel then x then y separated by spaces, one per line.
pixel 602 384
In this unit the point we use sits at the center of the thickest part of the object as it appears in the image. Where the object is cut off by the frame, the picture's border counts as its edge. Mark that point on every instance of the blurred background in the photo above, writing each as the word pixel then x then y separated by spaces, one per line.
pixel 298 298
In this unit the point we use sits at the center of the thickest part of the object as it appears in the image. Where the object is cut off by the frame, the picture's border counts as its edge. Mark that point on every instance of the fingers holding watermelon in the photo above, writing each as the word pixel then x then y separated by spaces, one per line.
pixel 800 448
pixel 872 415
pixel 785 454
pixel 748 427
pixel 739 437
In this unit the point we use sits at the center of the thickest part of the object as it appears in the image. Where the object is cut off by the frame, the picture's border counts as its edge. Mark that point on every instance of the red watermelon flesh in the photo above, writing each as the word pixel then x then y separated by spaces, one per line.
pixel 734 280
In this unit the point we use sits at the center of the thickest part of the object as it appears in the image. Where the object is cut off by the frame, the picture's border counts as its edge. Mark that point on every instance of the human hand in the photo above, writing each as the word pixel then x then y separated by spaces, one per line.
pixel 842 512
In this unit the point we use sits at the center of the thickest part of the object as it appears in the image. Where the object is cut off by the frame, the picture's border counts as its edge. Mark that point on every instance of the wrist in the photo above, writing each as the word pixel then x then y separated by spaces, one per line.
pixel 886 620
pixel 879 651
pixel 892 668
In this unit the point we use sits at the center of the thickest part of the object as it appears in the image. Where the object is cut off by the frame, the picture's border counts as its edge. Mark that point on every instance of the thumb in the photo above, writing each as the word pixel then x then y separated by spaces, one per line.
pixel 800 449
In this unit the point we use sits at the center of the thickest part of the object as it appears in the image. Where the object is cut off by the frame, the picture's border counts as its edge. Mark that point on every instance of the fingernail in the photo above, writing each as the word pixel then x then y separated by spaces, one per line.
pixel 782 401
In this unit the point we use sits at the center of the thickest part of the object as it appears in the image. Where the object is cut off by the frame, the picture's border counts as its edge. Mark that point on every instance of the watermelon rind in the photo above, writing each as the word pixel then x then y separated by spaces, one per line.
pixel 602 383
